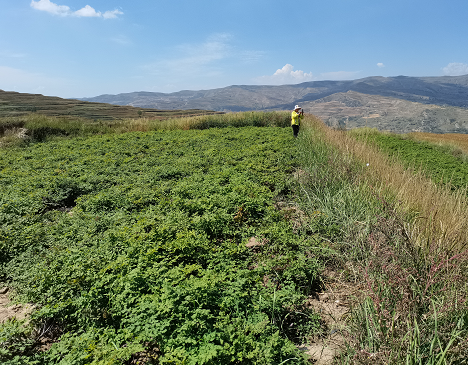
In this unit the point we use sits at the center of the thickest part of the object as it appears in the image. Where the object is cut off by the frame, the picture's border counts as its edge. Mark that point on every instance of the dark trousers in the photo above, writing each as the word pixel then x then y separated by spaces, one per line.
pixel 295 130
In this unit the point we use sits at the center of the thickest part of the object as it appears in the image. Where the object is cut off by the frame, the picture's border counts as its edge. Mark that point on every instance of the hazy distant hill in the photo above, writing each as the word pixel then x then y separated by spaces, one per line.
pixel 432 104
pixel 232 98
pixel 446 90
pixel 353 109
pixel 13 104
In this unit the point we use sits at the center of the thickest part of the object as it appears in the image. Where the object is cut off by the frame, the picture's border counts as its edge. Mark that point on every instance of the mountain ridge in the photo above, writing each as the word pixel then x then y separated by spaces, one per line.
pixel 439 90
pixel 376 95
pixel 352 110
pixel 14 104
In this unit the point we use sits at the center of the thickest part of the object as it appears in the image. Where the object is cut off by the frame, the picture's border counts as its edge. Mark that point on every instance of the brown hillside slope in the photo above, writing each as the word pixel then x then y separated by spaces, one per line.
pixel 13 104
pixel 353 109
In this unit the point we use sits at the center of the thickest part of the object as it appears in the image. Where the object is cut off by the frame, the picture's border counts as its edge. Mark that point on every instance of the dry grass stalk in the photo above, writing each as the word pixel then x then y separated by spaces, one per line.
pixel 452 139
pixel 441 215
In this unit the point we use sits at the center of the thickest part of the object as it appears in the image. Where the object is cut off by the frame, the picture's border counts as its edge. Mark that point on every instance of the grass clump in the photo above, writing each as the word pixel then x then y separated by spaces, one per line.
pixel 39 128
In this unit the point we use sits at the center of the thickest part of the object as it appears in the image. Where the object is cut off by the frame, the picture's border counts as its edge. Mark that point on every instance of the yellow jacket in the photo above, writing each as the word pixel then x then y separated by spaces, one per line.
pixel 295 117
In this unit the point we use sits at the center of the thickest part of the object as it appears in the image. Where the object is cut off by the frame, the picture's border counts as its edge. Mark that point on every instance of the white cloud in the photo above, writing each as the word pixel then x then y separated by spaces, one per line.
pixel 111 14
pixel 210 63
pixel 380 64
pixel 286 75
pixel 87 11
pixel 455 69
pixel 46 5
pixel 215 48
pixel 63 10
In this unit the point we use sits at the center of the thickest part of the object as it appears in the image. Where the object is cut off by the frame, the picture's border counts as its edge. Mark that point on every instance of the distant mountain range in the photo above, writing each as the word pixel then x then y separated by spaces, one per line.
pixel 401 104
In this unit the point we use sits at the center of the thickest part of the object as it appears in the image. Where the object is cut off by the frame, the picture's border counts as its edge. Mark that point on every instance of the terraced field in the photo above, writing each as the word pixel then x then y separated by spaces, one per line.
pixel 14 104
pixel 454 139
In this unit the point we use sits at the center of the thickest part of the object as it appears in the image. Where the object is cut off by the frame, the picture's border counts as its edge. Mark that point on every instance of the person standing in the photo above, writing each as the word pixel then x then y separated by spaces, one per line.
pixel 296 116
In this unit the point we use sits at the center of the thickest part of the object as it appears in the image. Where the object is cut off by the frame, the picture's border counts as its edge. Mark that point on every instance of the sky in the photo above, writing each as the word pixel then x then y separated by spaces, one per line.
pixel 85 48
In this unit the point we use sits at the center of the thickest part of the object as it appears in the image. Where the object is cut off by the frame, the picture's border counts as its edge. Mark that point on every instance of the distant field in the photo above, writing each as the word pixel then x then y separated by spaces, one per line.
pixel 456 139
pixel 439 163
pixel 14 104
pixel 39 128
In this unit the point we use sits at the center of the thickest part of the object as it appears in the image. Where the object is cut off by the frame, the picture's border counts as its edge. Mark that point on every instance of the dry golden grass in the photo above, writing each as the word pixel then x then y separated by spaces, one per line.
pixel 206 121
pixel 441 219
pixel 453 139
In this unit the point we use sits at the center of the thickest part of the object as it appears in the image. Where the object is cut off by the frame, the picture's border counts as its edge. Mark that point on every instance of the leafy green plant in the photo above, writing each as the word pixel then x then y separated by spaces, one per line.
pixel 440 163
pixel 136 244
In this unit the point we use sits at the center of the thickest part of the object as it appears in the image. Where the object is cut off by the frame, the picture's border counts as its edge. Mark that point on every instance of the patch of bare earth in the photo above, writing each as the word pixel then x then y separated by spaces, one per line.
pixel 255 242
pixel 334 305
pixel 9 310
pixel 301 175
pixel 43 336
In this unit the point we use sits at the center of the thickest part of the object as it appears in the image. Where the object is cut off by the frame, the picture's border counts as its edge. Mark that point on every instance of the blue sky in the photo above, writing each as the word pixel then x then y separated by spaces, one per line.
pixel 84 48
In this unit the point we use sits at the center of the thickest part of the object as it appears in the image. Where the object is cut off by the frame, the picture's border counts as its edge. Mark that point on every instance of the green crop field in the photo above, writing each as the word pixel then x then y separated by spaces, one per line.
pixel 438 162
pixel 211 241
pixel 139 241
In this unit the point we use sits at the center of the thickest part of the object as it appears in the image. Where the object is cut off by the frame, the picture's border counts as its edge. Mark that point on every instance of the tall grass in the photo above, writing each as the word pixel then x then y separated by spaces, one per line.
pixel 40 127
pixel 439 216
pixel 391 230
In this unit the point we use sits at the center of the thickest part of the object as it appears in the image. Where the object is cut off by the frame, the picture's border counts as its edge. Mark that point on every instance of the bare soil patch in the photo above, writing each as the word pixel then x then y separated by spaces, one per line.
pixel 9 310
pixel 334 305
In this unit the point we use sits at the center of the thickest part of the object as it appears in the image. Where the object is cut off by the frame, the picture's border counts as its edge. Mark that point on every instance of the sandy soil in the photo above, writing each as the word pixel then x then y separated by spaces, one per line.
pixel 334 306
pixel 9 310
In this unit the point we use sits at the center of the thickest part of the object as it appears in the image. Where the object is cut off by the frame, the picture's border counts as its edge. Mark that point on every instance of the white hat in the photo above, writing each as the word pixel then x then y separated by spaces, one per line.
pixel 297 107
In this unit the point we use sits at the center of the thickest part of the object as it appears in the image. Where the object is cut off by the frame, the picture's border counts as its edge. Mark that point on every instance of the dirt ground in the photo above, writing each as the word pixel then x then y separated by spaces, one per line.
pixel 334 305
pixel 9 310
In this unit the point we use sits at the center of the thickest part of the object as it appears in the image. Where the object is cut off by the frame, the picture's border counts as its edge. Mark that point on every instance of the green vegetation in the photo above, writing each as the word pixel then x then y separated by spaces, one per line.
pixel 40 128
pixel 137 243
pixel 410 306
pixel 440 163
pixel 188 243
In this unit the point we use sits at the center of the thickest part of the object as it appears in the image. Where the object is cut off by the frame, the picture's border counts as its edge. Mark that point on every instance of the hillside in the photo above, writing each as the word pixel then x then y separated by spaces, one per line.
pixel 403 104
pixel 232 98
pixel 353 109
pixel 447 90
pixel 13 104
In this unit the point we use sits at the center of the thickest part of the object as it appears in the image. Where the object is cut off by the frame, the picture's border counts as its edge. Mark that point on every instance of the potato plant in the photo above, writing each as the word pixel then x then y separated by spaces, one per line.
pixel 134 248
